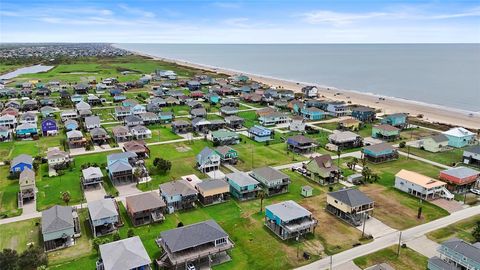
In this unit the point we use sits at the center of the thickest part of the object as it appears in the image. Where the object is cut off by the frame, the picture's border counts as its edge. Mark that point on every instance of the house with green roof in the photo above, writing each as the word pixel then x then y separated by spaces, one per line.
pixel 225 137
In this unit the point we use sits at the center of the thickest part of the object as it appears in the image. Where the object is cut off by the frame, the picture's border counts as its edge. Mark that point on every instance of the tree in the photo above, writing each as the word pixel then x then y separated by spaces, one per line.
pixel 476 232
pixel 116 236
pixel 66 197
pixel 375 177
pixel 162 165
pixel 97 242
pixel 366 173
pixel 354 163
pixel 261 194
pixel 402 144
pixel 9 259
pixel 180 224
pixel 32 258
pixel 137 173
pixel 130 233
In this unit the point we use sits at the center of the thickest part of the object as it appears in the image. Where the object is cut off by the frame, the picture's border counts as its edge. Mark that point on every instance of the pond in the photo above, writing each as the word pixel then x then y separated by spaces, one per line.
pixel 25 70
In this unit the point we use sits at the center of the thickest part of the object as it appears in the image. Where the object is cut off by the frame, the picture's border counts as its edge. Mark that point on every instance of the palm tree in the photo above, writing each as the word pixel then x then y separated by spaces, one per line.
pixel 261 194
pixel 339 152
pixel 66 197
pixel 366 173
pixel 375 177
pixel 354 163
pixel 137 173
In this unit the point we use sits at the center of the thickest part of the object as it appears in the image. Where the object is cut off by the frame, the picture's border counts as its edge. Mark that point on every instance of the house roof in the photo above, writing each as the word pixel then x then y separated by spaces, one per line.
pixel 204 154
pixel 140 129
pixel 176 188
pixel 259 130
pixel 55 153
pixel 466 249
pixel 439 138
pixel 98 132
pixel 27 177
pixel 288 210
pixel 192 235
pixel 382 266
pixel 123 155
pixel 343 136
pixel 458 132
pixel 180 123
pixel 379 147
pixel 233 118
pixel 22 158
pixel 386 127
pixel 92 172
pixel 57 218
pixel 198 120
pixel 92 120
pixel 26 126
pixel 241 178
pixel 198 111
pixel 103 208
pixel 223 133
pixel 301 139
pixel 124 254
pixel 362 109
pixel 461 172
pixel 144 201
pixel 74 134
pixel 268 173
pixel 118 130
pixel 473 149
pixel 325 162
pixel 133 118
pixel 419 179
pixel 439 263
pixel 119 166
pixel 224 149
pixel 135 146
pixel 352 197
pixel 212 184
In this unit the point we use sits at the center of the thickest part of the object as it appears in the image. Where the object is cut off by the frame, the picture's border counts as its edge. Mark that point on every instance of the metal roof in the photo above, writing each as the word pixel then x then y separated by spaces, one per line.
pixel 288 210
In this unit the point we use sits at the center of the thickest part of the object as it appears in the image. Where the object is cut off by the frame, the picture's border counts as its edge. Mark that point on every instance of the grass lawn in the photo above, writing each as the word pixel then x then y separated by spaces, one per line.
pixel 462 229
pixel 387 170
pixel 331 126
pixel 448 157
pixel 19 234
pixel 412 134
pixel 161 133
pixel 9 150
pixel 408 259
pixel 398 209
pixel 8 194
pixel 178 110
pixel 250 118
pixel 50 189
pixel 365 130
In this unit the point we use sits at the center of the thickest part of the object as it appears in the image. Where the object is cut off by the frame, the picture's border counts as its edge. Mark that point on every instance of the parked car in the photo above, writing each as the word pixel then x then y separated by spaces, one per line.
pixel 190 266
pixel 475 191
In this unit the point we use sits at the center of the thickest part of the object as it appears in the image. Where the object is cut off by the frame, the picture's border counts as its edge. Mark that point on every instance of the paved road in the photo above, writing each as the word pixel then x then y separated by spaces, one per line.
pixel 392 239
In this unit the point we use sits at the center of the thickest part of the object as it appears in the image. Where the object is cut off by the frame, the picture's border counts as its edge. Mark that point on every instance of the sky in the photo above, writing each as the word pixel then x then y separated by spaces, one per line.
pixel 267 21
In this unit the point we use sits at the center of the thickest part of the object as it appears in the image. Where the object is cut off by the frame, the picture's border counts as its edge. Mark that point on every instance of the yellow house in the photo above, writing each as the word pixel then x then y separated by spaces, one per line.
pixel 350 124
pixel 213 191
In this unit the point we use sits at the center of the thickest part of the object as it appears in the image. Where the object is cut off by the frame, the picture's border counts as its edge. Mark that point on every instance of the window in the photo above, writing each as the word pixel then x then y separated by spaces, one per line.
pixel 220 241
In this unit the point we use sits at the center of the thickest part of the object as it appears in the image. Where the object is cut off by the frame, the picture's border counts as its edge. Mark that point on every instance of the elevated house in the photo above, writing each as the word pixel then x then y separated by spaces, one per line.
pixel 436 143
pixel 92 122
pixel 178 195
pixel 91 177
pixel 58 159
pixel 312 113
pixel 322 170
pixel 260 134
pixel 274 181
pixel 460 179
pixel 149 118
pixel 93 100
pixel 140 132
pixel 471 155
pixel 103 216
pixel 459 137
pixel 199 112
pixel 5 134
pixel 181 127
pixel 70 125
pixel 137 147
pixel 20 163
pixel 120 166
pixel 381 152
pixel 273 118
pixel 289 220
pixel 310 91
pixel 145 208
pixel 301 144
pixel 227 154
pixel 80 89
pixel 213 191
pixel 228 110
pixel 138 109
pixel 165 117
pixel 385 132
pixel 121 134
pixel 201 125
pixel 242 186
pixel 208 160
pixel 8 120
pixel 25 131
pixel 364 114
pixel 421 186
pixel 203 242
pixel 76 98
pixel 456 254
pixel 398 120
pixel 194 105
pixel 99 136
pixel 297 124
pixel 225 137
pixel 29 105
pixel 337 108
pixel 75 139
pixel 82 105
pixel 60 227
pixel 345 140
pixel 28 118
pixel 351 205
pixel 128 253
pixel 122 112
pixel 69 114
pixel 47 111
pixel 229 102
pixel 216 124
pixel 49 127
pixel 132 120
pixel 26 182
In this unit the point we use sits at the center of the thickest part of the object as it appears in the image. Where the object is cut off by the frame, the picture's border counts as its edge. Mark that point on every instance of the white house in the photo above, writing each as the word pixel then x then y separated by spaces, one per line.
pixel 421 186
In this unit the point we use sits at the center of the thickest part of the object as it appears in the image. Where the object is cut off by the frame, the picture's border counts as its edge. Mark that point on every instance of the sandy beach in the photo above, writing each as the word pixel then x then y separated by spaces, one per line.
pixel 430 112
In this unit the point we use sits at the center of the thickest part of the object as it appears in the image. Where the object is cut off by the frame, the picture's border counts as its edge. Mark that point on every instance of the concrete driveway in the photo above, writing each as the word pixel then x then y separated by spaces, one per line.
pixel 347 266
pixel 127 189
pixel 450 205
pixel 424 246
pixel 94 194
pixel 29 208
pixel 376 228
pixel 216 174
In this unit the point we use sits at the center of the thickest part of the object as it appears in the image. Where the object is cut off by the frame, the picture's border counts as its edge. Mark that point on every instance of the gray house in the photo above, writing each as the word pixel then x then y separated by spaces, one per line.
pixel 288 220
pixel 274 181
pixel 456 254
pixel 103 215
pixel 92 122
pixel 178 195
pixel 203 242
pixel 60 227
pixel 91 176
pixel 125 254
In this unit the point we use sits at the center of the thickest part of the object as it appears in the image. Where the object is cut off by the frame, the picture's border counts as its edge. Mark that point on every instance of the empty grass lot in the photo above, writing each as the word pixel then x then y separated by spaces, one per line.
pixel 462 229
pixel 9 189
pixel 408 259
pixel 448 157
pixel 19 234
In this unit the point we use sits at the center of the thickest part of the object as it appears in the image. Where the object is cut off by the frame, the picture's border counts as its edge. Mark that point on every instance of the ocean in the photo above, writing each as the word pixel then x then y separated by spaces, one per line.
pixel 441 74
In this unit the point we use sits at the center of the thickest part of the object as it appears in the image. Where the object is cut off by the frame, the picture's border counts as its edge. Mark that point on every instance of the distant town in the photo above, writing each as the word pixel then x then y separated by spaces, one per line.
pixel 119 161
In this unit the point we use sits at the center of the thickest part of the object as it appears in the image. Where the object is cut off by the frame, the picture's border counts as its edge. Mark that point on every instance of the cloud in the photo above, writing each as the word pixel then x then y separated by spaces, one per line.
pixel 237 22
pixel 136 11
pixel 9 13
pixel 338 18
pixel 227 5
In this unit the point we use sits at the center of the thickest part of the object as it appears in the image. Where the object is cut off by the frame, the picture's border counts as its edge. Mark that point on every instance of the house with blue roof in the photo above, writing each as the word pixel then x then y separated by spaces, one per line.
pixel 49 127
pixel 208 160
pixel 120 167
pixel 312 113
pixel 76 98
pixel 71 125
pixel 19 163
pixel 381 152
pixel 26 130
pixel 213 98
pixel 260 134
pixel 398 120
pixel 165 117
pixel 138 109
pixel 119 98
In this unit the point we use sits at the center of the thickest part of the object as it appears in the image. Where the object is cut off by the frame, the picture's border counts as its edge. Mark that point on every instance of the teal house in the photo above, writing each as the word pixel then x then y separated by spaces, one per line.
pixel 76 98
pixel 397 120
pixel 165 117
pixel 242 186
pixel 26 130
pixel 213 98
pixel 385 132
pixel 312 113
pixel 459 137
pixel 456 254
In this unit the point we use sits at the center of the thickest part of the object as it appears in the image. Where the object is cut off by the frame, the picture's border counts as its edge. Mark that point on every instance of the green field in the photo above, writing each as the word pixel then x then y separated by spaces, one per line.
pixel 462 229
pixel 448 157
pixel 408 259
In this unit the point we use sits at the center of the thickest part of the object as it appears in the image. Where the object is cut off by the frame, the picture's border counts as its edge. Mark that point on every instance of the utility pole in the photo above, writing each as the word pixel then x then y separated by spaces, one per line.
pixel 399 243
pixel 364 221
pixel 331 262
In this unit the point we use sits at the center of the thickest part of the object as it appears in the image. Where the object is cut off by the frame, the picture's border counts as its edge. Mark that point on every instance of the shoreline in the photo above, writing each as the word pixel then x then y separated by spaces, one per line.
pixel 431 112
